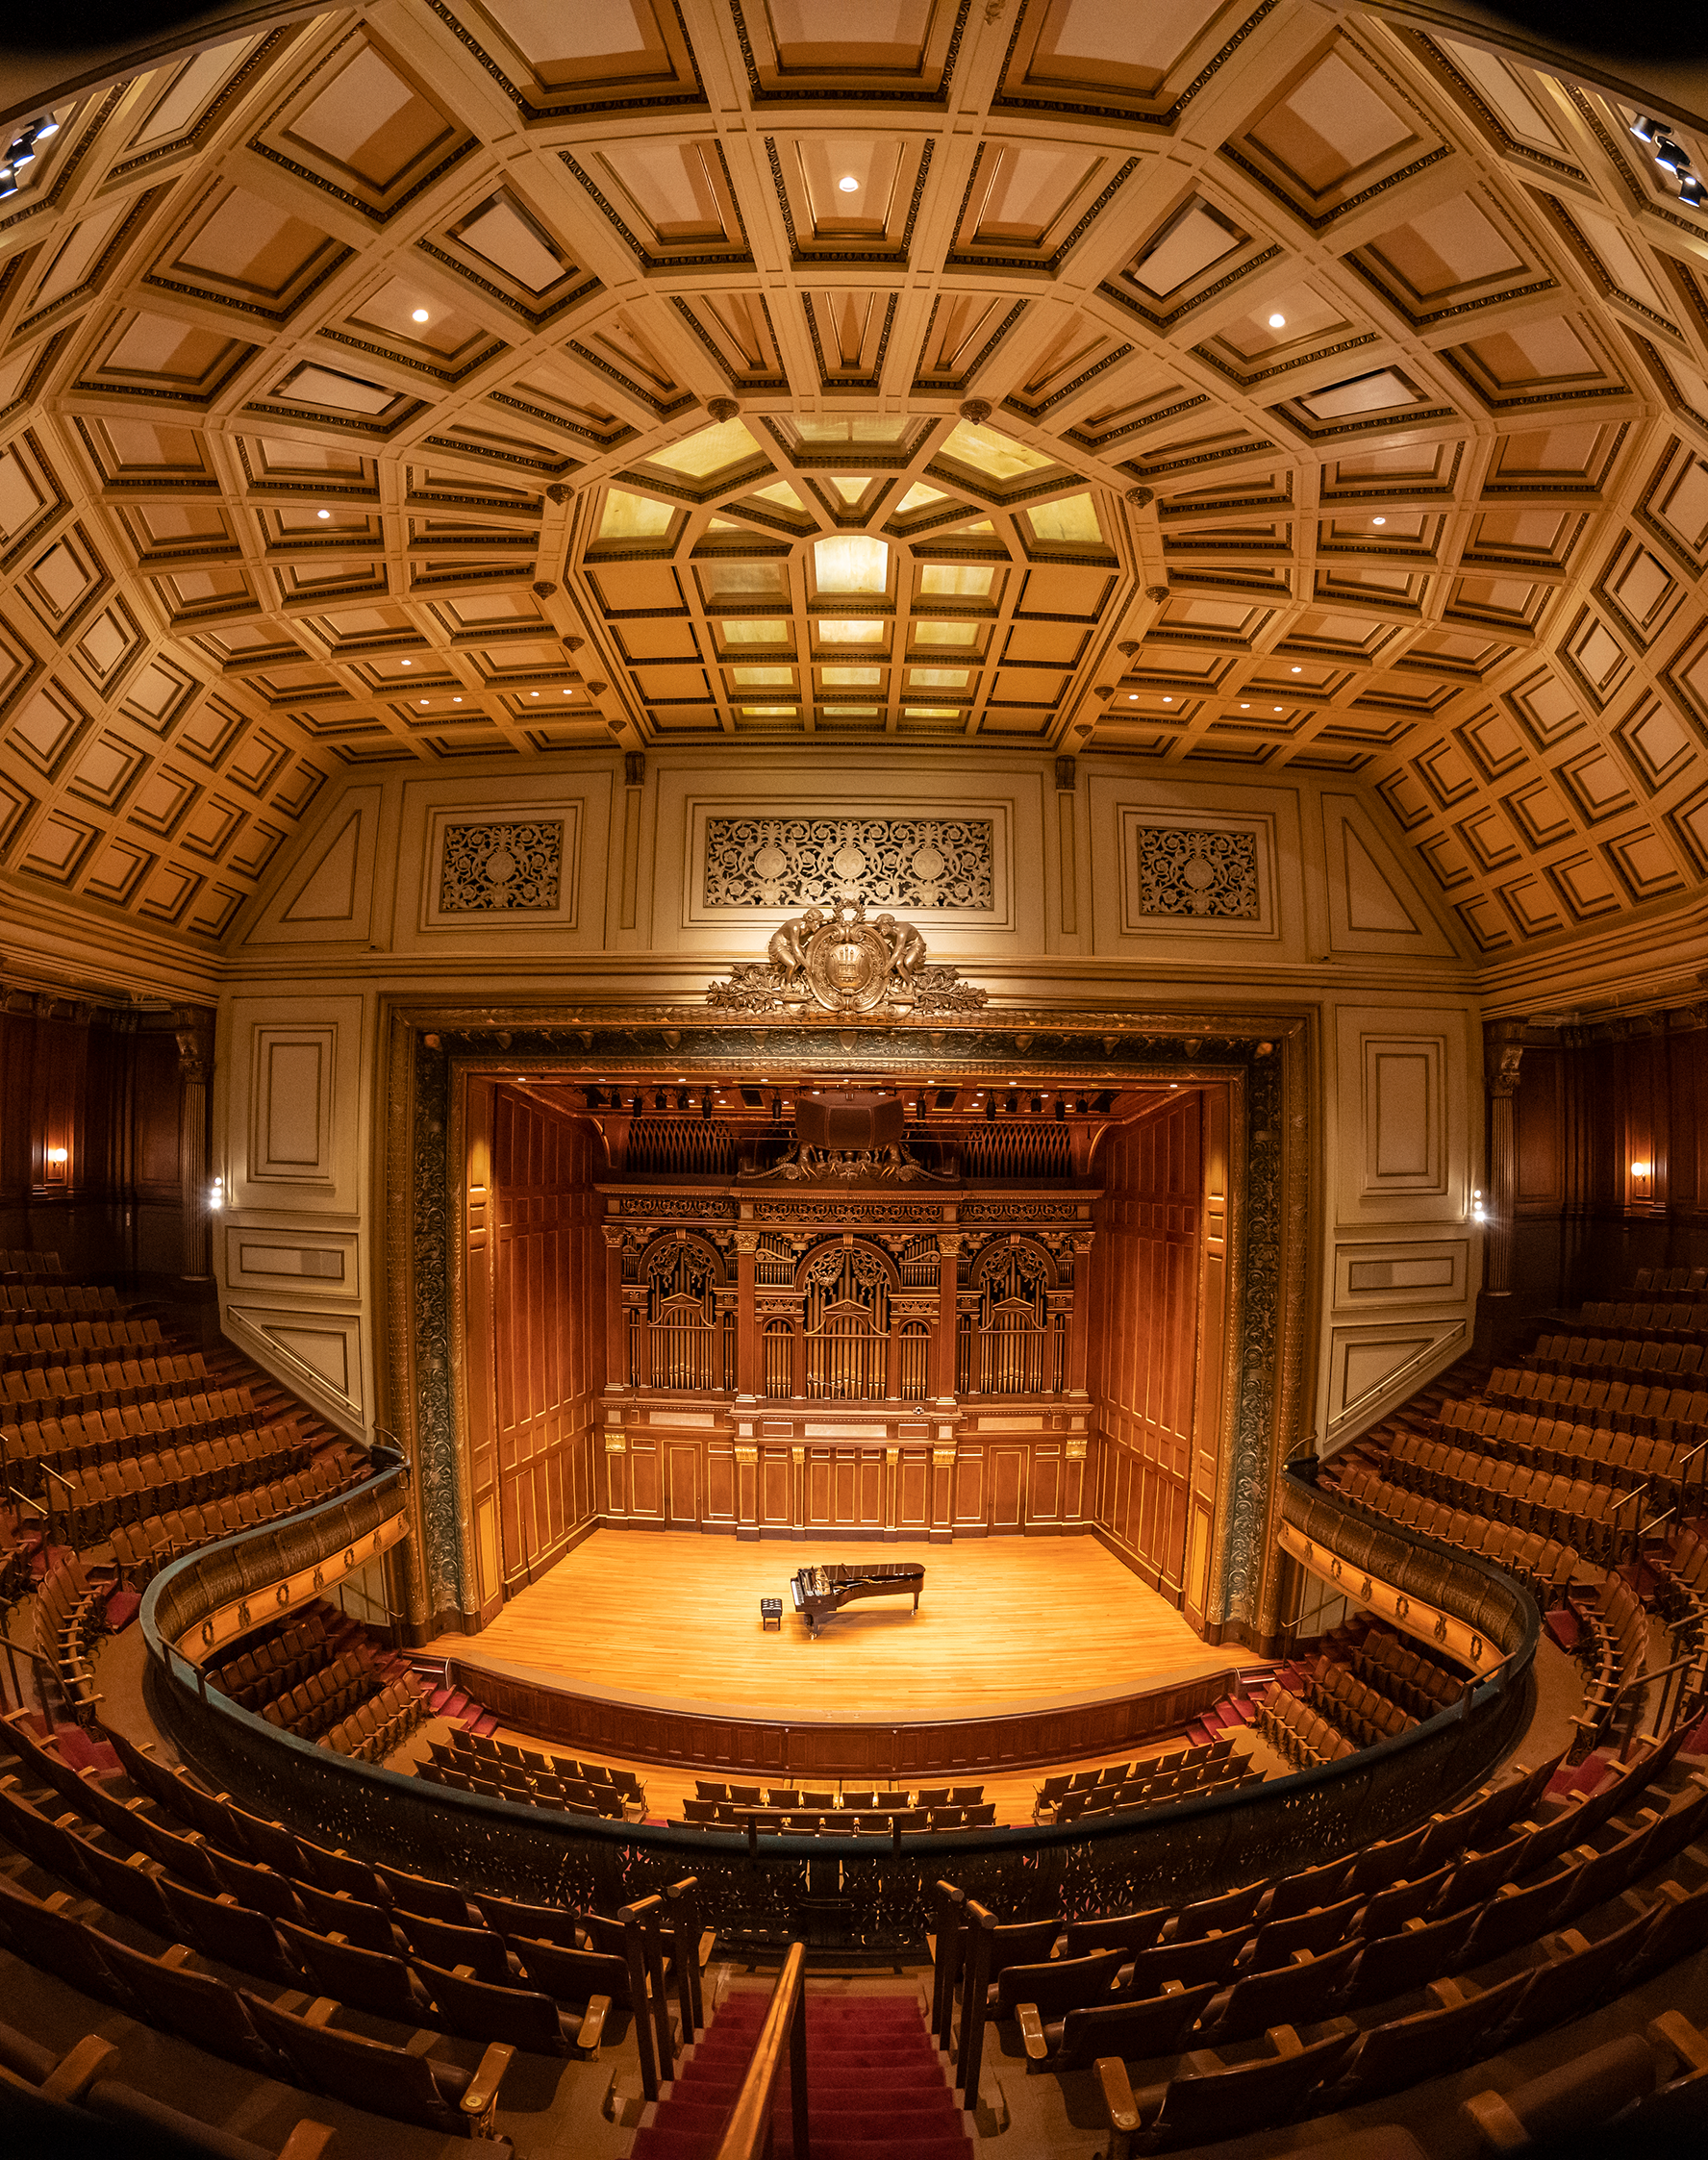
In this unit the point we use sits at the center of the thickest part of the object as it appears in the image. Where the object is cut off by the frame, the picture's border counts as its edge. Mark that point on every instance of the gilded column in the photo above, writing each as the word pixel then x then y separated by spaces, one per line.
pixel 748 1377
pixel 1079 1323
pixel 617 1341
pixel 949 1283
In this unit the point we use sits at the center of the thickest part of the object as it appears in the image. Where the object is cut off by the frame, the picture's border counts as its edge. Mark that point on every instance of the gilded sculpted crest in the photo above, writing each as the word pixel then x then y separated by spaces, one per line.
pixel 836 959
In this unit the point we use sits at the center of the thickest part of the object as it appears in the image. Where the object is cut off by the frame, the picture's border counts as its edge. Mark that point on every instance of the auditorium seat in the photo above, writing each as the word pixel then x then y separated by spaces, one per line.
pixel 1211 2101
pixel 383 2079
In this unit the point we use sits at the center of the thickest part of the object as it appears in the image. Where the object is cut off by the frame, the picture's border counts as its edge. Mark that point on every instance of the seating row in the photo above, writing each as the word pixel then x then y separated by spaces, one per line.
pixel 380 1723
pixel 523 1789
pixel 1611 1355
pixel 269 1664
pixel 1405 1674
pixel 1594 1518
pixel 859 1797
pixel 1061 1783
pixel 1298 1732
pixel 1355 1708
pixel 1588 1446
pixel 1543 1564
pixel 75 1439
pixel 42 1298
pixel 88 1504
pixel 52 1340
pixel 142 1548
pixel 1660 1412
pixel 98 1386
pixel 833 1822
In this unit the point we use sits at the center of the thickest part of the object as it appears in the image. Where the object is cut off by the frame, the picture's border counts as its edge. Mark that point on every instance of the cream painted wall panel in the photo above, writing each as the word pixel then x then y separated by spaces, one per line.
pixel 1241 895
pixel 854 790
pixel 291 1260
pixel 324 894
pixel 321 1355
pixel 1426 1272
pixel 294 1111
pixel 1370 1367
pixel 435 908
pixel 1400 1145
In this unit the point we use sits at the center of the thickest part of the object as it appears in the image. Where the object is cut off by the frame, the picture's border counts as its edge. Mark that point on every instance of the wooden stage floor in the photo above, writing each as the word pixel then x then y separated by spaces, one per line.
pixel 1004 1623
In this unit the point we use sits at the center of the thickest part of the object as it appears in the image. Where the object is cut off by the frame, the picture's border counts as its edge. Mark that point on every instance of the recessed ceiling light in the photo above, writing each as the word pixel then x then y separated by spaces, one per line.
pixel 324 513
pixel 1167 701
pixel 1245 708
pixel 1379 520
pixel 1277 322
pixel 849 185
pixel 406 663
pixel 455 701
pixel 1277 708
pixel 1298 670
pixel 1132 698
pixel 420 316
pixel 421 701
pixel 533 693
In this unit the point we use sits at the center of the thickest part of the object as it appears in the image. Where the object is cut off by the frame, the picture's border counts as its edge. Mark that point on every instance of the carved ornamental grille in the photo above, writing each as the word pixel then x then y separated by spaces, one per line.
pixel 502 868
pixel 1183 870
pixel 913 863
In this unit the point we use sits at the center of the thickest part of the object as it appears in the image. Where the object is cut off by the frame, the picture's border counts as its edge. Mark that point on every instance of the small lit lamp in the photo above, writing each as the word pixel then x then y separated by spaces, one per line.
pixel 1478 1212
pixel 1643 1180
pixel 217 1194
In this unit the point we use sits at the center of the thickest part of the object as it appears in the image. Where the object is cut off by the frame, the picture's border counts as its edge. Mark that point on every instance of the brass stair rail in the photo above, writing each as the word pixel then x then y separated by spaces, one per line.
pixel 747 2134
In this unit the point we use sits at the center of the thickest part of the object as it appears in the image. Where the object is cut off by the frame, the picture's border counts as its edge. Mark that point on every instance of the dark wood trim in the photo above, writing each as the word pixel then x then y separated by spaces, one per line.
pixel 707 1737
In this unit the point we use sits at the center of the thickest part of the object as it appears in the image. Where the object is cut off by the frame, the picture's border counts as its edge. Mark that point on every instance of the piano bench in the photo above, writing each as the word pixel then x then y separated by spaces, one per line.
pixel 771 1613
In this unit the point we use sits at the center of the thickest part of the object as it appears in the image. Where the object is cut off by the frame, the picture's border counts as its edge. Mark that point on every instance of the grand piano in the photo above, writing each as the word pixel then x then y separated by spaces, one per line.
pixel 819 1592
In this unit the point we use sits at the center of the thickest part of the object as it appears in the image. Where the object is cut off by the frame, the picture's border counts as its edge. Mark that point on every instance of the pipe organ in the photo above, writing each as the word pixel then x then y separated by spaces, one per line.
pixel 841 1309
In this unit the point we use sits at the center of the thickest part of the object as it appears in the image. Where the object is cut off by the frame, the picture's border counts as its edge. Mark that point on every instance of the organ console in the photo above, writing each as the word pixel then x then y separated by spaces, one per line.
pixel 819 1592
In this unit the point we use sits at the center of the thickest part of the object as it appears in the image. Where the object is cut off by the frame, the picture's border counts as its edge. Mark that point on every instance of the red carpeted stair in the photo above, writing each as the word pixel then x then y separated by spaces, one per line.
pixel 875 2085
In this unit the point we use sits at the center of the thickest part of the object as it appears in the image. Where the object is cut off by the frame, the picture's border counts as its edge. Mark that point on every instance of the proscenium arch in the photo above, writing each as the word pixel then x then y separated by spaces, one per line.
pixel 1263 1064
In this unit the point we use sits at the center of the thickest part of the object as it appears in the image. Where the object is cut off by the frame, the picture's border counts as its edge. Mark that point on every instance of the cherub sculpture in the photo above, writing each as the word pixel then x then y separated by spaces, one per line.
pixel 789 943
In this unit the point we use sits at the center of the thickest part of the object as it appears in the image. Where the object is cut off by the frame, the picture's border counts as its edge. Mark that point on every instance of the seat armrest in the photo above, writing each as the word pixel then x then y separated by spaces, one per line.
pixel 76 2071
pixel 593 2024
pixel 461 1972
pixel 1673 2029
pixel 1032 2031
pixel 1495 2124
pixel 1284 2040
pixel 1119 2104
pixel 322 2010
pixel 1447 1994
pixel 708 1943
pixel 1173 1987
pixel 310 2140
pixel 177 1957
pixel 482 2096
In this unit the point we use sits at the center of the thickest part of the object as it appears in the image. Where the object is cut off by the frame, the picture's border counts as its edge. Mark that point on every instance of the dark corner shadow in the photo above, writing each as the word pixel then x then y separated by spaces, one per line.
pixel 1656 29
pixel 74 26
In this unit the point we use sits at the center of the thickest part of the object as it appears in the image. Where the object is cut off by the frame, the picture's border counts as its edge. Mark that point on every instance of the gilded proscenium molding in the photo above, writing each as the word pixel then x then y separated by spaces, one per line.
pixel 436 1050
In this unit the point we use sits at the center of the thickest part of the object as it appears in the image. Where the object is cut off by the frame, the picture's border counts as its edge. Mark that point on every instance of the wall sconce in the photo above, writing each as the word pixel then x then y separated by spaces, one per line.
pixel 58 1154
pixel 217 1194
pixel 1477 1212
pixel 1641 1174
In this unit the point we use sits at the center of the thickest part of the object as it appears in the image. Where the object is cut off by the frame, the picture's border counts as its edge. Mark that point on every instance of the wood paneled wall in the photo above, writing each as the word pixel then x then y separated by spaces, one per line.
pixel 1145 1297
pixel 660 1480
pixel 1585 1114
pixel 535 1289
pixel 107 1088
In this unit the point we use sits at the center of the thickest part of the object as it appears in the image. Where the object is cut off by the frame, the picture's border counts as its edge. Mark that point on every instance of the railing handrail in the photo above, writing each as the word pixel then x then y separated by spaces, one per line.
pixel 747 2134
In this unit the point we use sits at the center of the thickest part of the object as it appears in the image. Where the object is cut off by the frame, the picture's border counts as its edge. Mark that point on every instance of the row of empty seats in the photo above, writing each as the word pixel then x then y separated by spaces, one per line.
pixel 142 1548
pixel 834 1822
pixel 1179 1774
pixel 1409 1675
pixel 1595 1518
pixel 380 1723
pixel 498 1769
pixel 1587 1352
pixel 86 1505
pixel 1296 1731
pixel 1329 1961
pixel 1354 1707
pixel 1658 1412
pixel 34 1390
pixel 78 1439
pixel 69 1606
pixel 40 1298
pixel 269 1663
pixel 1543 1564
pixel 860 1797
pixel 215 1882
pixel 1581 1440
pixel 29 1341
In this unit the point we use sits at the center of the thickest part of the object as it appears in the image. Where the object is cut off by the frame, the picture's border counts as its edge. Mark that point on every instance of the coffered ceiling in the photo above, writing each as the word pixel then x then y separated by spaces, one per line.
pixel 1247 387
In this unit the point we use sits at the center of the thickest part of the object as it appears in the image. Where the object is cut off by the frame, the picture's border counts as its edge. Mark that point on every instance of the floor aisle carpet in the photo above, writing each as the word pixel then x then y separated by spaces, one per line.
pixel 875 2088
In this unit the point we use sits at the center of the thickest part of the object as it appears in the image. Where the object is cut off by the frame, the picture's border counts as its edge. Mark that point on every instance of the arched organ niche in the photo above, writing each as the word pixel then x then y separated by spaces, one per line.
pixel 1012 1335
pixel 681 1318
